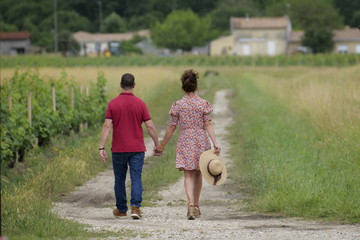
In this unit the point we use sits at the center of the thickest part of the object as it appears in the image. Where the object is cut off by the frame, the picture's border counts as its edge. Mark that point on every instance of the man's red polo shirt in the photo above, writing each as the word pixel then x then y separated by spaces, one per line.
pixel 127 113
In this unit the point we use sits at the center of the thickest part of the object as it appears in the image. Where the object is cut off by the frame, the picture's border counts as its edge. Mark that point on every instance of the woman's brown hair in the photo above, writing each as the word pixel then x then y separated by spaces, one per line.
pixel 189 80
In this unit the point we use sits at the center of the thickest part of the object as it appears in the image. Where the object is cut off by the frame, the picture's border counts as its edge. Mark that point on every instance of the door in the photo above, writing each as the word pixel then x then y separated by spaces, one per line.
pixel 271 48
pixel 246 49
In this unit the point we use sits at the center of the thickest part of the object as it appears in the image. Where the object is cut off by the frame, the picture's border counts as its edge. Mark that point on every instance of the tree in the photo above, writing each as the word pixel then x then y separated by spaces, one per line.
pixel 314 13
pixel 220 16
pixel 8 27
pixel 355 20
pixel 113 24
pixel 183 29
pixel 347 9
pixel 320 40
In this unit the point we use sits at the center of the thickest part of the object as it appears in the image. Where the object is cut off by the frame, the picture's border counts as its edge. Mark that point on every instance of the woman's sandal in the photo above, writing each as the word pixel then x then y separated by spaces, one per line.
pixel 190 213
pixel 197 212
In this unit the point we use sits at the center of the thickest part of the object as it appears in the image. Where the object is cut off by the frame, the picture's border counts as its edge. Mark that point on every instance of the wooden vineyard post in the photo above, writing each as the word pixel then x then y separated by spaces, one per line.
pixel 87 94
pixel 81 124
pixel 53 98
pixel 10 104
pixel 29 108
pixel 17 153
pixel 72 97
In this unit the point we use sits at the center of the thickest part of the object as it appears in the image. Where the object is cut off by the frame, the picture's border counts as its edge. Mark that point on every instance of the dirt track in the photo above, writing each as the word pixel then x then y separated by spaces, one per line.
pixel 220 206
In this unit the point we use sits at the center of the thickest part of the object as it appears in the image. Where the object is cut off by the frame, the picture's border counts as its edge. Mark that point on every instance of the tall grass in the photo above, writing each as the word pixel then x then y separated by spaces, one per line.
pixel 287 156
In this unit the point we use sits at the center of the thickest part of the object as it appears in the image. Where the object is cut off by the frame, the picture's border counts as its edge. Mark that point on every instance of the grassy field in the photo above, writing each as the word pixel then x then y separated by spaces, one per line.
pixel 295 144
pixel 297 133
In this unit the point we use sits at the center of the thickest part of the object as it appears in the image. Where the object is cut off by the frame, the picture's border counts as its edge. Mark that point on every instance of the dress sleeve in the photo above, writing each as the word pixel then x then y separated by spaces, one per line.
pixel 207 110
pixel 174 113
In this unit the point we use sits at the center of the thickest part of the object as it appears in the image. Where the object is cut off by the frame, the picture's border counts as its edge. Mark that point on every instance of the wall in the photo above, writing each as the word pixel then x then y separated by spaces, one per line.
pixel 8 45
pixel 257 41
pixel 222 46
pixel 350 44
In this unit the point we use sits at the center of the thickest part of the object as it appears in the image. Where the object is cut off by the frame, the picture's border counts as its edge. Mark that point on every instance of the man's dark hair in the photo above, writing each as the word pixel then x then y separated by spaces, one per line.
pixel 127 81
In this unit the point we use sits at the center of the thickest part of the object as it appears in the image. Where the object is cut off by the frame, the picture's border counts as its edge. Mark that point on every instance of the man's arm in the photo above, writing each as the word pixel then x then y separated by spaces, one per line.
pixel 104 136
pixel 152 132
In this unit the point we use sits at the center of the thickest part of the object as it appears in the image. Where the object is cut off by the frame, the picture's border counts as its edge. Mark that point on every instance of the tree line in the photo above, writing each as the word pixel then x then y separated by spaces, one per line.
pixel 208 17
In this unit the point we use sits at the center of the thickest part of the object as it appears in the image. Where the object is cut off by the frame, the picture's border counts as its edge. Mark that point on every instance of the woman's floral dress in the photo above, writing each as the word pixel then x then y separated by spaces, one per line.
pixel 191 112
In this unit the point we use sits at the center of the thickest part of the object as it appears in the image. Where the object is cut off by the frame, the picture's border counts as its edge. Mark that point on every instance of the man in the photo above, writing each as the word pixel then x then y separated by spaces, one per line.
pixel 126 113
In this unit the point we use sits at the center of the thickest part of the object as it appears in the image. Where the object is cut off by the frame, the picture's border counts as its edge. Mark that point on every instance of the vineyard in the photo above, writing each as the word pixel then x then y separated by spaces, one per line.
pixel 318 60
pixel 34 110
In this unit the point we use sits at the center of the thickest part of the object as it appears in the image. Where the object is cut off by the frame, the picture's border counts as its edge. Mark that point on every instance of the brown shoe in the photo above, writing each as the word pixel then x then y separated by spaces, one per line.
pixel 197 212
pixel 135 212
pixel 118 213
pixel 190 213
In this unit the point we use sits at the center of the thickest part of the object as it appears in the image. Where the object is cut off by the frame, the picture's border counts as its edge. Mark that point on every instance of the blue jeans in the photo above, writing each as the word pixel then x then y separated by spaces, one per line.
pixel 120 165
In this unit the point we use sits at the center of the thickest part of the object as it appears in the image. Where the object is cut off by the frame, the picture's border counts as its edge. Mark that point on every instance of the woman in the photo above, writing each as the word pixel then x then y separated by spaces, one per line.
pixel 192 113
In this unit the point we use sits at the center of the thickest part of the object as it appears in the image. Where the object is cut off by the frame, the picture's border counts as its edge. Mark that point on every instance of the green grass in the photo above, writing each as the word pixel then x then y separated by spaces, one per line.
pixel 289 165
pixel 27 194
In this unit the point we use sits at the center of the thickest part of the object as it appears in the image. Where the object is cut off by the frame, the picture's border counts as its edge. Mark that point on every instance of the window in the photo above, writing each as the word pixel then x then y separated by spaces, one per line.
pixel 342 49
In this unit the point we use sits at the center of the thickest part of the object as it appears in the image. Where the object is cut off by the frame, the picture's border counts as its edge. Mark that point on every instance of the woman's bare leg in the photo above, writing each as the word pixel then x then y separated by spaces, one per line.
pixel 189 184
pixel 197 186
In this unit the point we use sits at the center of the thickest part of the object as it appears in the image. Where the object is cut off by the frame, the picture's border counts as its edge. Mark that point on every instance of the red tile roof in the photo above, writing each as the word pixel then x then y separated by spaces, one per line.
pixel 268 22
pixel 82 36
pixel 347 34
pixel 14 35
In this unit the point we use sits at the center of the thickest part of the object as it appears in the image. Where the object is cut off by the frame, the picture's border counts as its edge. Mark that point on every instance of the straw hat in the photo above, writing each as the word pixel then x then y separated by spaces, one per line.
pixel 212 168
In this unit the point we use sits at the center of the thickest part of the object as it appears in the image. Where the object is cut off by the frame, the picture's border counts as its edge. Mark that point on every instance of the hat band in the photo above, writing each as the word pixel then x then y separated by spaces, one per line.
pixel 217 177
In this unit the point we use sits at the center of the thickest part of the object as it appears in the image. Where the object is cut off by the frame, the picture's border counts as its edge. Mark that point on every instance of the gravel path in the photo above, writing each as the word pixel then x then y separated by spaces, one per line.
pixel 221 218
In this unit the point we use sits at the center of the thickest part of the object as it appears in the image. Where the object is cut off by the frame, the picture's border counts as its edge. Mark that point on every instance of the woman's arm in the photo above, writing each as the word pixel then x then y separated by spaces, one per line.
pixel 169 132
pixel 210 129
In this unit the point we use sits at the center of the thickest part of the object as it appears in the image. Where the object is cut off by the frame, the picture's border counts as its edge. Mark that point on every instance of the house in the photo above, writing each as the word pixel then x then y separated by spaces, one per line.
pixel 346 41
pixel 254 36
pixel 14 43
pixel 94 43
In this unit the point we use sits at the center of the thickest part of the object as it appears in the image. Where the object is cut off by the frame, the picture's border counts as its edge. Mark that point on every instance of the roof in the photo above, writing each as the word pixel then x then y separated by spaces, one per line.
pixel 268 22
pixel 295 36
pixel 82 36
pixel 14 35
pixel 347 34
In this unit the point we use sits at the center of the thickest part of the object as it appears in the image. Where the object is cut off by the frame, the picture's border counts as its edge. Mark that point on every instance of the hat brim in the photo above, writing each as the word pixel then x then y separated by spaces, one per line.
pixel 205 157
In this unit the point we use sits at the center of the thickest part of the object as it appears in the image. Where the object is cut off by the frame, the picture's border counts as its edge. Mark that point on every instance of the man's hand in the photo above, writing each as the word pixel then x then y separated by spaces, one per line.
pixel 103 155
pixel 158 151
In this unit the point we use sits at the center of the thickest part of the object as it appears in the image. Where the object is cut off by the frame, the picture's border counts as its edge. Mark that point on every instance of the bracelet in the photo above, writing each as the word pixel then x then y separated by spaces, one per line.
pixel 101 148
pixel 162 146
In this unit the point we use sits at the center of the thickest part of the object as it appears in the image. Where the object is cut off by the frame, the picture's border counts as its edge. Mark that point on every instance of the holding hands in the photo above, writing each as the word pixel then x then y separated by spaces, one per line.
pixel 158 150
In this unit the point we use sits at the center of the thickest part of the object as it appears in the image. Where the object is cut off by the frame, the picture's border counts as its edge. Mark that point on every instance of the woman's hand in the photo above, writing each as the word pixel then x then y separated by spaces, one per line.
pixel 158 151
pixel 217 149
